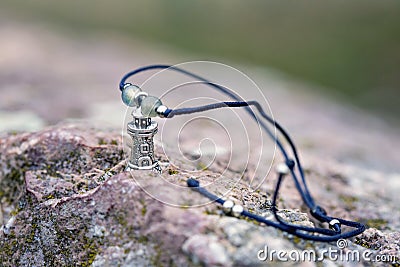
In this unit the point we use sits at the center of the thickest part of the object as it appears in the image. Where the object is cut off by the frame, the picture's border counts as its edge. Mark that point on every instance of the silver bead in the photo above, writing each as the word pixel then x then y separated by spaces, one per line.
pixel 227 206
pixel 237 210
pixel 128 94
pixel 282 168
pixel 161 110
pixel 333 222
pixel 149 106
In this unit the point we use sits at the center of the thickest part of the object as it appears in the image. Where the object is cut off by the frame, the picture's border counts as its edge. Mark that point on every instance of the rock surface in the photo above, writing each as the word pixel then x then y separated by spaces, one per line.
pixel 66 200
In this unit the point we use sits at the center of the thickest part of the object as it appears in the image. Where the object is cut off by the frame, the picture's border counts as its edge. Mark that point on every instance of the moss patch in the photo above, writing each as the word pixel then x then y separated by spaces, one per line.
pixel 201 166
pixel 11 185
pixel 377 223
pixel 349 201
pixel 172 172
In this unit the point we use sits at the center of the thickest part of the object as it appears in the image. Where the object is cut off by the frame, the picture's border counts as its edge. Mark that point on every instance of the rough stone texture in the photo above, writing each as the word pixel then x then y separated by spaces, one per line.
pixel 66 200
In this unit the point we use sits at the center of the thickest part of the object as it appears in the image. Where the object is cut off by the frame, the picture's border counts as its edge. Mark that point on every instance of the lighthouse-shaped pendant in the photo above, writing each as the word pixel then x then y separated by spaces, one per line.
pixel 142 130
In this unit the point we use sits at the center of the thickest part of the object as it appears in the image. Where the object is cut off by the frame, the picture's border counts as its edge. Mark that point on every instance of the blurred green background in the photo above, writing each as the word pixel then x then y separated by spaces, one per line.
pixel 348 48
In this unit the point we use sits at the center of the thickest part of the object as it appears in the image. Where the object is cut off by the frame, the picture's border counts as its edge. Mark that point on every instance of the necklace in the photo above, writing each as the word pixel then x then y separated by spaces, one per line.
pixel 142 130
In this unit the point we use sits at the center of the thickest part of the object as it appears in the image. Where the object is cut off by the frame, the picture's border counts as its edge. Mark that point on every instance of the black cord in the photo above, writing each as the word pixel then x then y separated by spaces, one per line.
pixel 308 200
pixel 311 233
pixel 320 214
pixel 328 235
pixel 306 196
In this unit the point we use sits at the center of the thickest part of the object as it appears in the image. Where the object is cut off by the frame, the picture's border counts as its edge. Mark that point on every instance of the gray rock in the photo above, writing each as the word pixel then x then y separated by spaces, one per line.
pixel 66 200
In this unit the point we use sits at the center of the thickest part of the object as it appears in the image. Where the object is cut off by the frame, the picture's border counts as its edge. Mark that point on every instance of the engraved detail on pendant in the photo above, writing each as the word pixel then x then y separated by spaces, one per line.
pixel 142 131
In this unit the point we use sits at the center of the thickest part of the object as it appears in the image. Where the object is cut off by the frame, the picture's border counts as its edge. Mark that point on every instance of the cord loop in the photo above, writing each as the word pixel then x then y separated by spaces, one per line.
pixel 310 233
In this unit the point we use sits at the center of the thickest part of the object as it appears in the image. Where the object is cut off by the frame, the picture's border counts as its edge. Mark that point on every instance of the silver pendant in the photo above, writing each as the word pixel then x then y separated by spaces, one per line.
pixel 142 131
